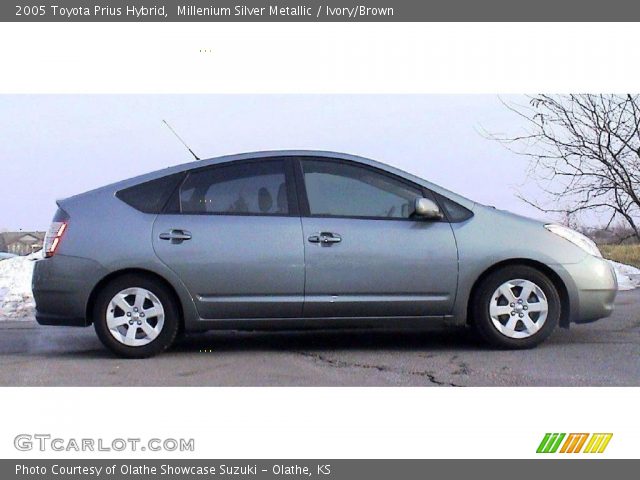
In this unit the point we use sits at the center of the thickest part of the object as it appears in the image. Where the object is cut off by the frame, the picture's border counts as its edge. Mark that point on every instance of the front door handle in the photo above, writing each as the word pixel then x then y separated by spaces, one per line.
pixel 176 235
pixel 325 238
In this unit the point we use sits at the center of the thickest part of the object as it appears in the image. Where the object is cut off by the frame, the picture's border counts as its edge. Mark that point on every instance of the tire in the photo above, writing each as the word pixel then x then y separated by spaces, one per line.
pixel 136 316
pixel 510 321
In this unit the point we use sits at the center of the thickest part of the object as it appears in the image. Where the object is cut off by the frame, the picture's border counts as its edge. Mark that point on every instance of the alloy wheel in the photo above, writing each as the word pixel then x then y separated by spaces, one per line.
pixel 135 317
pixel 518 308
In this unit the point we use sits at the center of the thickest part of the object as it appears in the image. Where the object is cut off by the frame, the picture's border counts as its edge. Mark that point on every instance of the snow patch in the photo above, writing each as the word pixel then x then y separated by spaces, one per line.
pixel 16 297
pixel 628 276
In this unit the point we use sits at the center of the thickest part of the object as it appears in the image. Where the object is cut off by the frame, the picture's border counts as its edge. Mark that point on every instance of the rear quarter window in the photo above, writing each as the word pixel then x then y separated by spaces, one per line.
pixel 151 196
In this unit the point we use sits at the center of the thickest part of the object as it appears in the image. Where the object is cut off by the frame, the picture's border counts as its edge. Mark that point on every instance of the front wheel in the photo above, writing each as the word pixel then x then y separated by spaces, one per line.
pixel 516 307
pixel 136 317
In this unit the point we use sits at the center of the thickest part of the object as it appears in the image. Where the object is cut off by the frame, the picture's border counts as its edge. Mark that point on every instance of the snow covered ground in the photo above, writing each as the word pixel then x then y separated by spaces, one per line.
pixel 628 276
pixel 16 299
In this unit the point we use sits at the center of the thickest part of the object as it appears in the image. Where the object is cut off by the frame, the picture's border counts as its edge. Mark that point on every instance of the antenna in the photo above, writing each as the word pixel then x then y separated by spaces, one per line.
pixel 181 140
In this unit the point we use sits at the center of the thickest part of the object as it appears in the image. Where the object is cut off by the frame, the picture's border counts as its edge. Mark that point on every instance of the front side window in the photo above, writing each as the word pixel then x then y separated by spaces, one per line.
pixel 255 188
pixel 346 190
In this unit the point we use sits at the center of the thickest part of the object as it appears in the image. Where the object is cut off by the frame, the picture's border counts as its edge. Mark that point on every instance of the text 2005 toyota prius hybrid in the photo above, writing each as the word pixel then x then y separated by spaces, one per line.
pixel 307 239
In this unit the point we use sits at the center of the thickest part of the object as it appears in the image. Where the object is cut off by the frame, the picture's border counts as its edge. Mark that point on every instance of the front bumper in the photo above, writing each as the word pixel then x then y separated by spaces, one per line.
pixel 592 289
pixel 62 286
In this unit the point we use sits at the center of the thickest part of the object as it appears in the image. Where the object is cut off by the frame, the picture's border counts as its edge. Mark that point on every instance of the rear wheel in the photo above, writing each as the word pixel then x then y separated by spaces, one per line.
pixel 516 307
pixel 135 316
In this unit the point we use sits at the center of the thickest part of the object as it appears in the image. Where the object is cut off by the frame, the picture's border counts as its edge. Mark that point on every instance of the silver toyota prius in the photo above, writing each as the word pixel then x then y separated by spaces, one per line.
pixel 307 239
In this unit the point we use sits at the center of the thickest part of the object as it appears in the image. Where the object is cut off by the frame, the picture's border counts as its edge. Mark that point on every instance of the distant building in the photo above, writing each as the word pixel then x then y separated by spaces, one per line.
pixel 21 243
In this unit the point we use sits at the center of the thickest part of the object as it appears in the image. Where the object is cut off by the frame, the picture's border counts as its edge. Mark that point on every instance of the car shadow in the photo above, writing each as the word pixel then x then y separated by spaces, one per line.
pixel 318 340
pixel 87 346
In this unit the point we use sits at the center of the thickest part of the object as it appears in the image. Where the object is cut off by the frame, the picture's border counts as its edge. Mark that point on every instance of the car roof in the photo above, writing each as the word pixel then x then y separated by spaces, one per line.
pixel 114 187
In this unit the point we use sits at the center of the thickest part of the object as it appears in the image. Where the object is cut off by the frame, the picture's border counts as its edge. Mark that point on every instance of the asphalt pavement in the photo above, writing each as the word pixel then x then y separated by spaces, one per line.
pixel 604 353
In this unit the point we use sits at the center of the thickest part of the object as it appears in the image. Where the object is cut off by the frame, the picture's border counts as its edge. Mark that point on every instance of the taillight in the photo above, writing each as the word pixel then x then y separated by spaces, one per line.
pixel 54 235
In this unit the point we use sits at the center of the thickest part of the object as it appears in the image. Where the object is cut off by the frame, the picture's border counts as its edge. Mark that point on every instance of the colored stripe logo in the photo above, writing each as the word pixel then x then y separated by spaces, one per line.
pixel 574 443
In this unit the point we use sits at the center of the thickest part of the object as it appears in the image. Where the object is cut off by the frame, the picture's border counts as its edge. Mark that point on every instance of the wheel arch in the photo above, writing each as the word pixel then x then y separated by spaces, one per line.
pixel 136 271
pixel 565 303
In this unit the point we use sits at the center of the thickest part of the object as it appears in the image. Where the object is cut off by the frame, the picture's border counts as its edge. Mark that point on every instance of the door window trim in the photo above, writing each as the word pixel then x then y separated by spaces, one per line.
pixel 173 205
pixel 305 210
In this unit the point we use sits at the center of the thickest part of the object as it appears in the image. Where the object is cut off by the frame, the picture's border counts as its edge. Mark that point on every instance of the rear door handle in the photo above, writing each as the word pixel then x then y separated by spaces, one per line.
pixel 325 238
pixel 176 235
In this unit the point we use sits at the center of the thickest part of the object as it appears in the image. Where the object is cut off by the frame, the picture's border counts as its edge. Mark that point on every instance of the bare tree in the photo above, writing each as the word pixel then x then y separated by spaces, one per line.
pixel 585 155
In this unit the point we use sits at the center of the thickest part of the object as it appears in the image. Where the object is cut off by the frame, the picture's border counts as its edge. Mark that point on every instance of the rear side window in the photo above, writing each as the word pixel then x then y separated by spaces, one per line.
pixel 253 188
pixel 150 197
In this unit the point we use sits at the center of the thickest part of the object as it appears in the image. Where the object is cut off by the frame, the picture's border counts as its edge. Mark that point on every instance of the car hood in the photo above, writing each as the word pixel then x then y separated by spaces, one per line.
pixel 507 216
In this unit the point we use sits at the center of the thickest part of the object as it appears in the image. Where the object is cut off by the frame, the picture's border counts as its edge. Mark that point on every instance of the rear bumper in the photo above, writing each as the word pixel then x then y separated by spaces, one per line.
pixel 61 289
pixel 592 289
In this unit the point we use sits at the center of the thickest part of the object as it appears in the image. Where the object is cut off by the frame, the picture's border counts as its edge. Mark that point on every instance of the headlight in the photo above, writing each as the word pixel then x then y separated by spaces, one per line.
pixel 576 238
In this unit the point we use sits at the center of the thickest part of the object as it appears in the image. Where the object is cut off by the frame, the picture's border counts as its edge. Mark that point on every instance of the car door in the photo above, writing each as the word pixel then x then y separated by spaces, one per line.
pixel 232 233
pixel 365 253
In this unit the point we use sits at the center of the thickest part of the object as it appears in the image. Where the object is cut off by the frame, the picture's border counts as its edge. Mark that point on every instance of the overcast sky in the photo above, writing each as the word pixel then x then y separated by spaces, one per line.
pixel 53 146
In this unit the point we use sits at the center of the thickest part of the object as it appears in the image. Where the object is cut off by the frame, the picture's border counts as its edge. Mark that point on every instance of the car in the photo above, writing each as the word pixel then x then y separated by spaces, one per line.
pixel 6 256
pixel 307 239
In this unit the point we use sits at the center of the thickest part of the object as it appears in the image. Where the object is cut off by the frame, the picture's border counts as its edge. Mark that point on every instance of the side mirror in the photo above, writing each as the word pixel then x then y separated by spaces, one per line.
pixel 426 208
